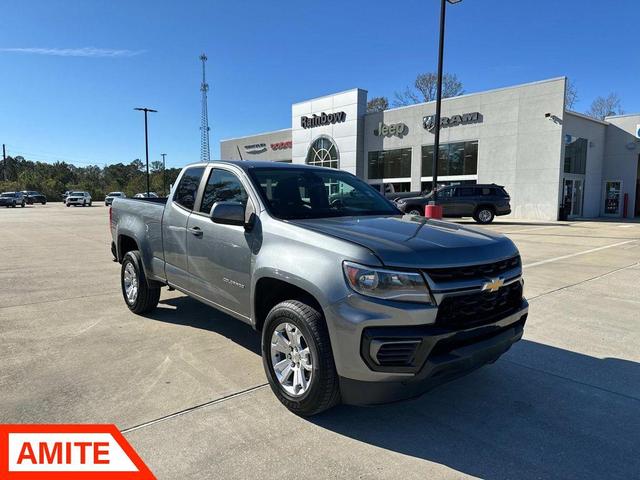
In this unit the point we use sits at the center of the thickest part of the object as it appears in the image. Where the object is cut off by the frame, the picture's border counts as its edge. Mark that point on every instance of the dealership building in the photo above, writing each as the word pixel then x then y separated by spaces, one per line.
pixel 521 137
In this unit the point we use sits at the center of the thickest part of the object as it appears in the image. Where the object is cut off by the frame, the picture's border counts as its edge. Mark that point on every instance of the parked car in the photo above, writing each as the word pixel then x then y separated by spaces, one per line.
pixel 12 199
pixel 78 198
pixel 34 197
pixel 482 202
pixel 145 195
pixel 355 303
pixel 108 200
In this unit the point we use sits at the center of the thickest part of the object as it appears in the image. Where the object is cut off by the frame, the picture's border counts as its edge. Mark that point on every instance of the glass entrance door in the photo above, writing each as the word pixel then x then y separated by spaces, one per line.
pixel 612 194
pixel 573 194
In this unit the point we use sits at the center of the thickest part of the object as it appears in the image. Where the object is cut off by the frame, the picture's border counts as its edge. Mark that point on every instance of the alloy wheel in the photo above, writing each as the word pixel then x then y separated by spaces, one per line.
pixel 130 283
pixel 484 215
pixel 291 359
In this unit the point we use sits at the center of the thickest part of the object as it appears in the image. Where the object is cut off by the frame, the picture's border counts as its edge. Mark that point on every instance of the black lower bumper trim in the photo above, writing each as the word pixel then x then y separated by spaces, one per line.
pixel 450 357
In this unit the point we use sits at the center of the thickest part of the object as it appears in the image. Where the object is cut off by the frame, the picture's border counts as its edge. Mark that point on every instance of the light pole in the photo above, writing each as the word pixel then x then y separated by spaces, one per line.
pixel 434 210
pixel 164 175
pixel 146 139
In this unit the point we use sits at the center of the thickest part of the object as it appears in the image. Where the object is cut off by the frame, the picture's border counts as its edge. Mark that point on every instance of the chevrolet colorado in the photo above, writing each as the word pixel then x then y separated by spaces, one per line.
pixel 356 302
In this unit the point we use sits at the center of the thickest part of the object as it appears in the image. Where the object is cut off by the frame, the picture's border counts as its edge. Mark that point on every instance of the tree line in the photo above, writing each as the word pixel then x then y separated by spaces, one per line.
pixel 53 179
pixel 425 85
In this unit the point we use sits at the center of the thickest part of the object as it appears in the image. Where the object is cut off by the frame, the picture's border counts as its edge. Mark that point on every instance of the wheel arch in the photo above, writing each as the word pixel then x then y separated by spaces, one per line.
pixel 480 206
pixel 269 291
pixel 126 243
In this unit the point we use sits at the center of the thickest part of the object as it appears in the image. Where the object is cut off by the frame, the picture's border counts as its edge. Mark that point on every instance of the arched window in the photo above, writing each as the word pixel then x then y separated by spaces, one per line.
pixel 323 153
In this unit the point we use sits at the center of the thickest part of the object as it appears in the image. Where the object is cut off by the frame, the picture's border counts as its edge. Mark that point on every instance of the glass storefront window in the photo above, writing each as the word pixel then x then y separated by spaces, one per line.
pixel 390 163
pixel 460 158
pixel 575 154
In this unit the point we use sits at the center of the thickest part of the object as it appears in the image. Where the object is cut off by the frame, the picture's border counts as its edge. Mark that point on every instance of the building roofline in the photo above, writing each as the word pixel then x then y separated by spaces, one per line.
pixel 493 90
pixel 623 115
pixel 585 117
pixel 255 135
pixel 330 95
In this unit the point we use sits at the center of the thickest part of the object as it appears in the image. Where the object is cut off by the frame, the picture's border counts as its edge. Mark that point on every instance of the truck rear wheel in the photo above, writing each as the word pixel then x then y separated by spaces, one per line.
pixel 297 358
pixel 139 297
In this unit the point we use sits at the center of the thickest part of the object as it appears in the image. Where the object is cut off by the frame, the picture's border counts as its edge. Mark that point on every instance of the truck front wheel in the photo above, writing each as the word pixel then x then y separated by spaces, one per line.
pixel 297 358
pixel 139 297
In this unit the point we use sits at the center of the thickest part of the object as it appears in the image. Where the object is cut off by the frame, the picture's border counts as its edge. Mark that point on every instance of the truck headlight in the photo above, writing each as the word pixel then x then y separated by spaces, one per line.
pixel 387 284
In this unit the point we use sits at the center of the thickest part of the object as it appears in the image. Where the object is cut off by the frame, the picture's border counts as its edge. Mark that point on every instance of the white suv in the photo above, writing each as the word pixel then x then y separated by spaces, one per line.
pixel 78 198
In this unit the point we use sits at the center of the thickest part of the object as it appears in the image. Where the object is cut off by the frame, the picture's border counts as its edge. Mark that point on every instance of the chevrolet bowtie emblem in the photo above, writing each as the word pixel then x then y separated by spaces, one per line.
pixel 493 285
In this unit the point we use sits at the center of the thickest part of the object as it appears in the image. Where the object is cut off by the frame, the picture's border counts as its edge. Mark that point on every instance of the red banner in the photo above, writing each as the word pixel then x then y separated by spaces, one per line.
pixel 68 452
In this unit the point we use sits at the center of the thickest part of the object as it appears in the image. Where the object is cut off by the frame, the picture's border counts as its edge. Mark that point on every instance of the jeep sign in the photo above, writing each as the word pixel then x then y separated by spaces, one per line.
pixel 383 130
pixel 455 120
pixel 322 119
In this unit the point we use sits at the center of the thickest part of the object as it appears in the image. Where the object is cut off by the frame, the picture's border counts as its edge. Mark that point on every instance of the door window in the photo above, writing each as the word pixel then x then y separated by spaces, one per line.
pixel 188 187
pixel 446 193
pixel 222 186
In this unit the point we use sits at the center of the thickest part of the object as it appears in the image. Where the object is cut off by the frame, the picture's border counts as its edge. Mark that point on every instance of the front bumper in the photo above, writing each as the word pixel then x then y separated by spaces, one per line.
pixel 443 355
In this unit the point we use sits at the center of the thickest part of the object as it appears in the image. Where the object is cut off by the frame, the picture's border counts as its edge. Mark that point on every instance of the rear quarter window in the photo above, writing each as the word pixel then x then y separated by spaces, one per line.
pixel 188 187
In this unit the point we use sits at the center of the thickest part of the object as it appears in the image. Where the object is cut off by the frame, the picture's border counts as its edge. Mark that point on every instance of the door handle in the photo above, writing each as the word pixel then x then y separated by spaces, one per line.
pixel 195 231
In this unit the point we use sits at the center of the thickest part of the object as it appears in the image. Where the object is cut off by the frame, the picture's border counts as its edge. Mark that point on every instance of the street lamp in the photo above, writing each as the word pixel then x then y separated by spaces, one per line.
pixel 146 139
pixel 434 210
pixel 164 175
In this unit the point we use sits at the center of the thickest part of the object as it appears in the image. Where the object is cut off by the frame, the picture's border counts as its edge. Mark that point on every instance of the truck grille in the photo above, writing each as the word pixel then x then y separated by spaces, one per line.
pixel 473 272
pixel 478 308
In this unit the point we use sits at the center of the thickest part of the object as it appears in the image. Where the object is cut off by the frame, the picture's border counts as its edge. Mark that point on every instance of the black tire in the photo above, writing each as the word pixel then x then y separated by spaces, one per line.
pixel 415 211
pixel 147 297
pixel 68 204
pixel 323 391
pixel 13 205
pixel 89 202
pixel 484 215
pixel 22 205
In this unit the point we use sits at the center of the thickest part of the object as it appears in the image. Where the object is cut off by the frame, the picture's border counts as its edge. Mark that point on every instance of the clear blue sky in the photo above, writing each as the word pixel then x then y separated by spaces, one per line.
pixel 77 104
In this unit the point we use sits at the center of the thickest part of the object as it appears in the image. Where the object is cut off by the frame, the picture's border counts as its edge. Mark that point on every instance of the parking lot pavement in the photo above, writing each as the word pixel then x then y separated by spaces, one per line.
pixel 186 384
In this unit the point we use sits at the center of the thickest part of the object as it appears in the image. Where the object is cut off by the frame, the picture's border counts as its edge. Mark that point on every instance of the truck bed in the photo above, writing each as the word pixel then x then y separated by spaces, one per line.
pixel 141 219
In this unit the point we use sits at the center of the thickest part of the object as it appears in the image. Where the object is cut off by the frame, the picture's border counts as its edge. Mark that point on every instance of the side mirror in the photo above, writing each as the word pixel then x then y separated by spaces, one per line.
pixel 227 213
pixel 233 213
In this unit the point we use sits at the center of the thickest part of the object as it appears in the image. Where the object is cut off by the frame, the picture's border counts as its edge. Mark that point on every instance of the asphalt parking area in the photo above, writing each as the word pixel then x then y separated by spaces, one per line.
pixel 186 384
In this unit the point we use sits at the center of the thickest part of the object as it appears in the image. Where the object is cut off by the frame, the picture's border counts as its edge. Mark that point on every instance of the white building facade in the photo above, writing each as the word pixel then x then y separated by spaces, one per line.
pixel 521 137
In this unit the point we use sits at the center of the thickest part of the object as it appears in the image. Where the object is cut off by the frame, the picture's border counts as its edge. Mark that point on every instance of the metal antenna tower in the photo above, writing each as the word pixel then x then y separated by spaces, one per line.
pixel 204 117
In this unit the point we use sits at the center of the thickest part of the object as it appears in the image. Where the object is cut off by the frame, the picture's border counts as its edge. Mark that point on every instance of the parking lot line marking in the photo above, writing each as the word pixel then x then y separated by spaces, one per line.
pixel 584 252
pixel 194 408
pixel 597 277
pixel 60 299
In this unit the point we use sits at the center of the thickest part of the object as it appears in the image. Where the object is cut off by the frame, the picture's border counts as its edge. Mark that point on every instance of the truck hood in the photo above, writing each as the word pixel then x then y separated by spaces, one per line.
pixel 414 242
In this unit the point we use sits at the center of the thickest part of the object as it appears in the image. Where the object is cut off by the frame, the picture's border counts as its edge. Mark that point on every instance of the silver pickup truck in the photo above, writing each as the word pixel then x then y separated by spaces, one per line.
pixel 356 302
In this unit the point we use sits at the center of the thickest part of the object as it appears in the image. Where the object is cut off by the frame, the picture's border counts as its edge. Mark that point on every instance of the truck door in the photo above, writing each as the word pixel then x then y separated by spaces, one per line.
pixel 174 227
pixel 220 255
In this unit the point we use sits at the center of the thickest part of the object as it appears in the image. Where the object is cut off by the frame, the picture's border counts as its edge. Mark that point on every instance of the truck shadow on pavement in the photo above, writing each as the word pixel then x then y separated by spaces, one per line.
pixel 539 412
pixel 195 314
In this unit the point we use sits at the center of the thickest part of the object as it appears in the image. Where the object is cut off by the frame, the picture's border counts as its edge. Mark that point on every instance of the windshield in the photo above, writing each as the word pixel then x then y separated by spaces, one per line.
pixel 77 194
pixel 7 194
pixel 114 194
pixel 295 193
